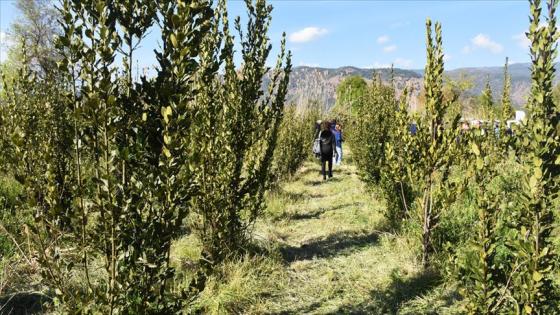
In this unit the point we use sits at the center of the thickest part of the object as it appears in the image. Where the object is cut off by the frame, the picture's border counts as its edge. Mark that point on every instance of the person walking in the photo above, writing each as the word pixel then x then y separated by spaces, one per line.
pixel 328 149
pixel 338 142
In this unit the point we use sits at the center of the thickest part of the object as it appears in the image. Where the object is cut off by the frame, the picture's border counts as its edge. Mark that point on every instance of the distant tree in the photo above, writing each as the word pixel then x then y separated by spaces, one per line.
pixel 348 92
pixel 507 108
pixel 36 29
pixel 453 92
pixel 486 100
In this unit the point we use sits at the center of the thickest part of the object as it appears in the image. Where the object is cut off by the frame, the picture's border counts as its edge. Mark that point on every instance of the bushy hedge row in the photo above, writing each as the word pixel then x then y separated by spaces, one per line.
pixel 485 200
pixel 114 169
pixel 295 140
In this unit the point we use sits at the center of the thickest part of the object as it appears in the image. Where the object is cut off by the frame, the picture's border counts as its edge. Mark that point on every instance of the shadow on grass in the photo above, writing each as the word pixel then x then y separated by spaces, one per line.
pixel 296 197
pixel 320 180
pixel 340 243
pixel 345 172
pixel 400 291
pixel 307 171
pixel 313 182
pixel 317 213
pixel 24 303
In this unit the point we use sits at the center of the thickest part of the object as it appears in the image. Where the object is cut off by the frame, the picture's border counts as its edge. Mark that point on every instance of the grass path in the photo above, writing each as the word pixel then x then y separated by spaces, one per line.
pixel 327 253
pixel 336 255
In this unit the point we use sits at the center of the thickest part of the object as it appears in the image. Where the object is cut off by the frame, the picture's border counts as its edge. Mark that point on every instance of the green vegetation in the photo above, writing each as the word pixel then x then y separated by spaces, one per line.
pixel 348 95
pixel 114 169
pixel 487 101
pixel 295 138
pixel 505 261
pixel 325 249
pixel 194 191
pixel 507 108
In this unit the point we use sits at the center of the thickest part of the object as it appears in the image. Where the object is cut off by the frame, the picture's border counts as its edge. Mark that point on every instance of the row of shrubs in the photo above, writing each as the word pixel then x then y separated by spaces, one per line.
pixel 101 173
pixel 481 205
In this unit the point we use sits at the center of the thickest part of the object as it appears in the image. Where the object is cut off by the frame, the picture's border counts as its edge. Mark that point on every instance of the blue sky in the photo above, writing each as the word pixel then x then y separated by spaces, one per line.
pixel 377 33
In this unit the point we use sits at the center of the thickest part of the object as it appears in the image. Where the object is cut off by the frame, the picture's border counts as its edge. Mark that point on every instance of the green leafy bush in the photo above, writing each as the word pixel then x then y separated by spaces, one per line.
pixel 111 168
pixel 11 193
pixel 295 140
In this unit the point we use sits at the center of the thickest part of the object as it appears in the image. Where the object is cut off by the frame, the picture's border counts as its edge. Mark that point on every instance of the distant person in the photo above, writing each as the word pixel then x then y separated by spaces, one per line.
pixel 328 149
pixel 333 130
pixel 413 128
pixel 338 139
pixel 509 131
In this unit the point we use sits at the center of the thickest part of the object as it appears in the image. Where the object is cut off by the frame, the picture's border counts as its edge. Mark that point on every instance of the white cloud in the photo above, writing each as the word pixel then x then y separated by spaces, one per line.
pixel 522 40
pixel 378 65
pixel 383 39
pixel 390 48
pixel 304 64
pixel 466 50
pixel 397 63
pixel 485 42
pixel 307 34
pixel 403 63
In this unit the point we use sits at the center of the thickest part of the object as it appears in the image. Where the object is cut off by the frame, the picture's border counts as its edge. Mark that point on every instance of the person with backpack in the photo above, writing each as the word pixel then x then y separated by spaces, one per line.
pixel 327 148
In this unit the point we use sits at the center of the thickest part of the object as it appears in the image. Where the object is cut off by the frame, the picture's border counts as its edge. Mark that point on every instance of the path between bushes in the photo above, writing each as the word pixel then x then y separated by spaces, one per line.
pixel 336 255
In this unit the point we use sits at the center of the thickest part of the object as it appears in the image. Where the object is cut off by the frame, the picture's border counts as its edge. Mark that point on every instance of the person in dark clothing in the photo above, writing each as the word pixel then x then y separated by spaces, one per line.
pixel 328 149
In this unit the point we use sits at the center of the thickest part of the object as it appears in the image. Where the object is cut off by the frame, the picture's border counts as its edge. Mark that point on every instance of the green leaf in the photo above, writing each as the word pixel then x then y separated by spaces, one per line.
pixel 537 161
pixel 166 112
pixel 174 40
pixel 533 182
pixel 111 100
pixel 479 163
pixel 166 152
pixel 537 277
pixel 475 149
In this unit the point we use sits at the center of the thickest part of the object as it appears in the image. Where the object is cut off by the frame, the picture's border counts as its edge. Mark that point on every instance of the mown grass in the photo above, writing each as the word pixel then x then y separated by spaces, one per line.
pixel 326 250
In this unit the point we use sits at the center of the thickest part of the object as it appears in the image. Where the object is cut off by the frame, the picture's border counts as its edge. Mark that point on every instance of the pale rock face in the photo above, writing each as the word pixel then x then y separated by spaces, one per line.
pixel 314 83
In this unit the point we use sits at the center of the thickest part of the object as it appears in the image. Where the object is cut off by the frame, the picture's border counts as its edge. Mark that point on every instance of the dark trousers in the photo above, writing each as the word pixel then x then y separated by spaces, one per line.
pixel 324 160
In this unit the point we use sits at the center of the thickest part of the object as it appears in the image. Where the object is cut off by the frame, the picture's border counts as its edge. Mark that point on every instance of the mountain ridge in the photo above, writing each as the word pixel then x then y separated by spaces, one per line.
pixel 309 83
